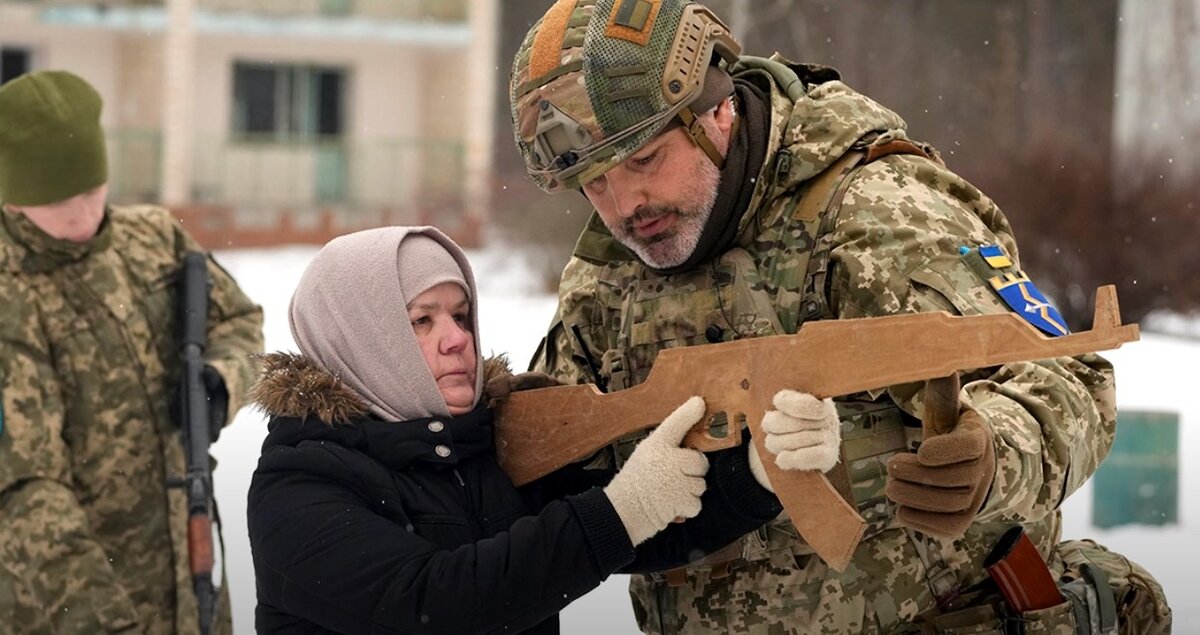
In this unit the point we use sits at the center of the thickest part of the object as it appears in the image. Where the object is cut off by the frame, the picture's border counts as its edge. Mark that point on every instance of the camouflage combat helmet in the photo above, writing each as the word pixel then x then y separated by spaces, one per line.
pixel 595 80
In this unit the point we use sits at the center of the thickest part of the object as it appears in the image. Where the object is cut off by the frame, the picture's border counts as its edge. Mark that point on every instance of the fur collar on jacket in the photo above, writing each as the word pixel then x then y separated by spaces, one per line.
pixel 291 385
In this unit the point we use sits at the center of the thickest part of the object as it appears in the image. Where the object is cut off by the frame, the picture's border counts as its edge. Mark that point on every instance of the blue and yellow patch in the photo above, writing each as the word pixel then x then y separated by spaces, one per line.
pixel 1023 297
pixel 991 263
pixel 994 255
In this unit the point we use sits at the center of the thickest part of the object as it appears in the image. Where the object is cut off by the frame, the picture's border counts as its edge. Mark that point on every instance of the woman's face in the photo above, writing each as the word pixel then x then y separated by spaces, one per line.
pixel 441 318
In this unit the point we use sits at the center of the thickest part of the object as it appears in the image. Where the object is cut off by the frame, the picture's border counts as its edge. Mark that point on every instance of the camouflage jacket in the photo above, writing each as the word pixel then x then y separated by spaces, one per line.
pixel 895 247
pixel 92 537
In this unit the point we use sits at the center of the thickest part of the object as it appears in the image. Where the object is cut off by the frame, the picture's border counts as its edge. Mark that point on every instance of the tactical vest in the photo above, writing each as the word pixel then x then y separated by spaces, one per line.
pixel 731 299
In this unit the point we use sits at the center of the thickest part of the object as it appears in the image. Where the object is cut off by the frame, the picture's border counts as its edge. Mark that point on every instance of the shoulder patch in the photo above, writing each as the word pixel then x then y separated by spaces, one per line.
pixel 1023 297
pixel 995 257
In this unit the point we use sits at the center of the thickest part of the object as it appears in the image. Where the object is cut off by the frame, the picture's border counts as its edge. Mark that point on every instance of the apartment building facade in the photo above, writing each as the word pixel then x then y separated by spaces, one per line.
pixel 268 121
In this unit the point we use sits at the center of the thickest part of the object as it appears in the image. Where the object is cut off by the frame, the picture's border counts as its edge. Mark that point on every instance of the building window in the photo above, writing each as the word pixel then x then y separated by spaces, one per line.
pixel 13 62
pixel 337 7
pixel 288 102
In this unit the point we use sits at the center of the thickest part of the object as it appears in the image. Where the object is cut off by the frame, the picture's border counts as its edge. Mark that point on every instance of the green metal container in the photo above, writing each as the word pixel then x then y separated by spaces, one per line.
pixel 1139 481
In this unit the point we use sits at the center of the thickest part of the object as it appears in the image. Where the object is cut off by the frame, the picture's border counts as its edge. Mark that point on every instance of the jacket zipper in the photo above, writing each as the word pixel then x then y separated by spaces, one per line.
pixel 473 519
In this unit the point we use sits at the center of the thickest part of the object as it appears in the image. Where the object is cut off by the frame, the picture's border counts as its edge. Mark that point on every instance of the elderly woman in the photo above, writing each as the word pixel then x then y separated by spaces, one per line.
pixel 377 505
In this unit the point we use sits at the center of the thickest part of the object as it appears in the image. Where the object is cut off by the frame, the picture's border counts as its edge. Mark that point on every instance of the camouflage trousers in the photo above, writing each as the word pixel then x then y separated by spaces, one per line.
pixel 22 614
pixel 786 594
pixel 780 595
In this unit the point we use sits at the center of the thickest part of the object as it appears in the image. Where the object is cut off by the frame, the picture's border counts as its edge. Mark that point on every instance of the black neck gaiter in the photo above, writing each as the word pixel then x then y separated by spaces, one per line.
pixel 743 161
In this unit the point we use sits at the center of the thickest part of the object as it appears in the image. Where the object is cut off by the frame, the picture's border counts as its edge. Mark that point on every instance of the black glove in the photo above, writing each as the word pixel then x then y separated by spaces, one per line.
pixel 218 402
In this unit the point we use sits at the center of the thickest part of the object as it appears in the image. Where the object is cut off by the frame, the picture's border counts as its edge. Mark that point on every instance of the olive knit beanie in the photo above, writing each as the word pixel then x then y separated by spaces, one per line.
pixel 51 142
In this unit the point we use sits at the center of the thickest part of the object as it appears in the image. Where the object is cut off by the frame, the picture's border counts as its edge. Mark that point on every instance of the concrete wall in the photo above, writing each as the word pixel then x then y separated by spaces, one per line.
pixel 379 101
pixel 138 98
pixel 89 54
pixel 382 108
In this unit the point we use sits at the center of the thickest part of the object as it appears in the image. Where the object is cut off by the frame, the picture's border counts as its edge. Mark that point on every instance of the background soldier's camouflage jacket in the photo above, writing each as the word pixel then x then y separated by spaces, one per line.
pixel 895 248
pixel 92 540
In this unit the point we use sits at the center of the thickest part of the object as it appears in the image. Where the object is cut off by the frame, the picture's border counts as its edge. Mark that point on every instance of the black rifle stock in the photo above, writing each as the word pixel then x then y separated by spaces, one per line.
pixel 195 429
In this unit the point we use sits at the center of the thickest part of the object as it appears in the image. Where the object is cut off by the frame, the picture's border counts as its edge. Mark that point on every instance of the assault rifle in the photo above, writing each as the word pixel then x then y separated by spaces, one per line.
pixel 194 285
pixel 539 431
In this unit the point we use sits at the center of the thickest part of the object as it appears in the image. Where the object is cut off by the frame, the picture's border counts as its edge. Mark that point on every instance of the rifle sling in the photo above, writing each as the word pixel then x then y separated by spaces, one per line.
pixel 824 196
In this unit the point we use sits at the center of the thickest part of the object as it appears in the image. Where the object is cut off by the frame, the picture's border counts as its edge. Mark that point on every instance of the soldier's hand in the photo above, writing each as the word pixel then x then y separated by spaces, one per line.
pixel 661 481
pixel 803 432
pixel 940 489
pixel 500 387
pixel 218 402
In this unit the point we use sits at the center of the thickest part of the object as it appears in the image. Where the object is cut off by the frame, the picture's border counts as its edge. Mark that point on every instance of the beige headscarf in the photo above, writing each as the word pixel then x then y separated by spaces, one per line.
pixel 349 315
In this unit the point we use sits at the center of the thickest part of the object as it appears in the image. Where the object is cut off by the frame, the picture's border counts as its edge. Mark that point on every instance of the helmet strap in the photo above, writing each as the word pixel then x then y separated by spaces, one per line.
pixel 695 132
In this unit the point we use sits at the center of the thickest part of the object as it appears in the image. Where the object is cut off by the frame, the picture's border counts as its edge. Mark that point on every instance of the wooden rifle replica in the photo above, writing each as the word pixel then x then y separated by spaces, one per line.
pixel 539 431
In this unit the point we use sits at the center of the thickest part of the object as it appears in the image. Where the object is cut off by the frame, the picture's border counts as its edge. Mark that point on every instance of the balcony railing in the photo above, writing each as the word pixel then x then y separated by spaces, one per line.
pixel 407 10
pixel 437 10
pixel 373 173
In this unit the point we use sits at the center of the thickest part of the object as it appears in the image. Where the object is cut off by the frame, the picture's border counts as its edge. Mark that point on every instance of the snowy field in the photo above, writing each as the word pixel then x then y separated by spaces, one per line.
pixel 1157 373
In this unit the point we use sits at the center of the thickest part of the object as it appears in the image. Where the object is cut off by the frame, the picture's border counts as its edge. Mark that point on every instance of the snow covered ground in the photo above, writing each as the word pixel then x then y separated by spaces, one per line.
pixel 1157 373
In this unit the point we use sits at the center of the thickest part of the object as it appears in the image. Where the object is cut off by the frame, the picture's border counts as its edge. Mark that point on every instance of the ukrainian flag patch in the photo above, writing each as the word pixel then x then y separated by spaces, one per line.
pixel 995 257
pixel 1023 297
pixel 633 20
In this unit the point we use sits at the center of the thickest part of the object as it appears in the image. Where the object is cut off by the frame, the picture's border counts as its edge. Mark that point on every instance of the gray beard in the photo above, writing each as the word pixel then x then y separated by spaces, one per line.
pixel 674 246
pixel 672 250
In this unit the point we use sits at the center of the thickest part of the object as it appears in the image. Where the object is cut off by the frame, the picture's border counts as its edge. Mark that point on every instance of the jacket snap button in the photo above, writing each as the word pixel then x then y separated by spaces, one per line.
pixel 442 451
pixel 436 426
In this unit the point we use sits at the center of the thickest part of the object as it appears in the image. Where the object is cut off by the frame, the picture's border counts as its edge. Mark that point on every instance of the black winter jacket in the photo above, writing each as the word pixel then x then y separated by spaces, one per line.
pixel 377 527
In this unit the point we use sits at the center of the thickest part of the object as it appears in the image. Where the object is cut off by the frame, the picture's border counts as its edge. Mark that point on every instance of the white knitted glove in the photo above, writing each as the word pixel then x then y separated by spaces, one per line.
pixel 661 481
pixel 803 432
pixel 757 469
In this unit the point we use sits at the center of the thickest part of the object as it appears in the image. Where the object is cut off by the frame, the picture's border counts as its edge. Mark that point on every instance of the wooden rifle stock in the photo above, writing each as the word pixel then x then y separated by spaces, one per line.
pixel 539 431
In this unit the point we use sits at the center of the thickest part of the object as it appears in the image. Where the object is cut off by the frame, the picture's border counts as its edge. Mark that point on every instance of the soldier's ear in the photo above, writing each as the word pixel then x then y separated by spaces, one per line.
pixel 723 115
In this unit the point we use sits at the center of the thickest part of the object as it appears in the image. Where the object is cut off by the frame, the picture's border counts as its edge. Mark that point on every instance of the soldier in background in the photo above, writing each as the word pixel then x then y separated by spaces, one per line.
pixel 93 520
pixel 739 197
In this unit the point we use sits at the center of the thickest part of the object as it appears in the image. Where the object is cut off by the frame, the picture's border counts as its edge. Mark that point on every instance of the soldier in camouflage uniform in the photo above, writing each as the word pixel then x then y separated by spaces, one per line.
pixel 799 199
pixel 93 517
